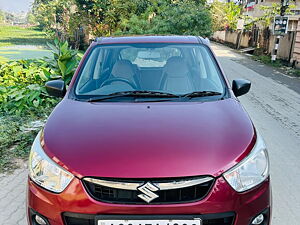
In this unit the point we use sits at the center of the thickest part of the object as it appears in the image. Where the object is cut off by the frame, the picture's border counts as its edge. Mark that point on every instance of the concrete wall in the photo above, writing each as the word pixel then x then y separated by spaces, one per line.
pixel 296 53
pixel 285 45
pixel 244 42
pixel 219 36
pixel 230 37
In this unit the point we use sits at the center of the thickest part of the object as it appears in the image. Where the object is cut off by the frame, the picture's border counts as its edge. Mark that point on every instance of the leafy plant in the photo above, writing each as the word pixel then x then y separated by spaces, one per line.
pixel 233 13
pixel 114 17
pixel 64 62
pixel 183 17
pixel 225 15
pixel 22 83
pixel 22 86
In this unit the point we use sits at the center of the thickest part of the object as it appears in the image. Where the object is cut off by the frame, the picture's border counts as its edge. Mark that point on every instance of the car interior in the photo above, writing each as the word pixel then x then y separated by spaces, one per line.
pixel 179 71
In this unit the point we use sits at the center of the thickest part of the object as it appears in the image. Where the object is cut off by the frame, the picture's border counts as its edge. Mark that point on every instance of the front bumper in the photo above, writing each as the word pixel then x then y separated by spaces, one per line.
pixel 75 207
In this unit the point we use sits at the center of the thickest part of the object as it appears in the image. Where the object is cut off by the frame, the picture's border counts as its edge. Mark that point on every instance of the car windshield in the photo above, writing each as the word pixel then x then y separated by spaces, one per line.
pixel 160 69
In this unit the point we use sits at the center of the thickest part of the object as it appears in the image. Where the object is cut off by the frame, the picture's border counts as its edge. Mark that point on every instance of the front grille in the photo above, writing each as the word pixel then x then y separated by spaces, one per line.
pixel 208 219
pixel 172 196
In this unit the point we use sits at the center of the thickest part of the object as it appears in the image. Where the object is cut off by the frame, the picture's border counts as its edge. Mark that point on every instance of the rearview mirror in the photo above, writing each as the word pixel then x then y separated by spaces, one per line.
pixel 149 55
pixel 56 88
pixel 240 87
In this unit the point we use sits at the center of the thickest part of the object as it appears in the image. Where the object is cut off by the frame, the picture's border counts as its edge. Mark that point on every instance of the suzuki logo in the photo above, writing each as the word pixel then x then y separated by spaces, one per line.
pixel 147 190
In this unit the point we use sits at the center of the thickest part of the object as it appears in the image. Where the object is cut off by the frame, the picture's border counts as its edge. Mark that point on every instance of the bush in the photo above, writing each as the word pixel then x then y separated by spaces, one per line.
pixel 22 86
pixel 116 17
pixel 22 82
pixel 183 18
pixel 179 18
pixel 24 103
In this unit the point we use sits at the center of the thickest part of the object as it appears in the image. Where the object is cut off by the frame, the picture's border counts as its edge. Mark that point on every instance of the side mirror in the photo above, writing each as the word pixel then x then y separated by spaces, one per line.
pixel 240 87
pixel 56 88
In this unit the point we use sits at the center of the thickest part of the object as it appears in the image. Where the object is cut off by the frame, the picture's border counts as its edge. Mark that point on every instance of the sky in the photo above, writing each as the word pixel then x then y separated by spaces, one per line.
pixel 15 5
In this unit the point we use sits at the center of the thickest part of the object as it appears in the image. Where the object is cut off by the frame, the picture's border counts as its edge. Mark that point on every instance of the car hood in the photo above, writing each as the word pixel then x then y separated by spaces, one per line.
pixel 139 140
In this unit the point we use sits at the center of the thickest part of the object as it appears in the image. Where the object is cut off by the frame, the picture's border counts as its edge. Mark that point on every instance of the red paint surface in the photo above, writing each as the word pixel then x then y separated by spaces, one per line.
pixel 131 140
pixel 222 198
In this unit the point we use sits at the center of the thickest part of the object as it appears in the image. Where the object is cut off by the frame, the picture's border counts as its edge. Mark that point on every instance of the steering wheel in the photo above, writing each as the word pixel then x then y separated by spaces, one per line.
pixel 110 80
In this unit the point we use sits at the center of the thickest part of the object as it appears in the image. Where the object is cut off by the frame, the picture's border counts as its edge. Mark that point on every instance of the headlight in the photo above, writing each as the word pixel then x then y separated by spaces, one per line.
pixel 251 171
pixel 45 172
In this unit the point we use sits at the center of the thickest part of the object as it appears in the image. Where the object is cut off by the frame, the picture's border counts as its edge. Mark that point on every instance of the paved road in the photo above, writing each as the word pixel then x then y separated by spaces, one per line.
pixel 274 106
pixel 275 110
pixel 12 198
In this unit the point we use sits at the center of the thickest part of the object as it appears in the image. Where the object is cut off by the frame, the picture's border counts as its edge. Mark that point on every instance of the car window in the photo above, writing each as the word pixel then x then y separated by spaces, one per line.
pixel 207 68
pixel 171 68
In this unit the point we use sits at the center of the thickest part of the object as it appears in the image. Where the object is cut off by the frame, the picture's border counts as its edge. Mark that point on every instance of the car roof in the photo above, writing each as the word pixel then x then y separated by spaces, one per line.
pixel 149 39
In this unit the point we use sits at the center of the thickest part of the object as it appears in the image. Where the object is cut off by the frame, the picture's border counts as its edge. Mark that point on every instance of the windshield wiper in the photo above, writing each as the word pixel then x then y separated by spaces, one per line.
pixel 133 94
pixel 200 94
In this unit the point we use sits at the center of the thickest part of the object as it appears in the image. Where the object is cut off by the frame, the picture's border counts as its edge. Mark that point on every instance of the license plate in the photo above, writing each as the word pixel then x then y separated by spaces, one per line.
pixel 197 221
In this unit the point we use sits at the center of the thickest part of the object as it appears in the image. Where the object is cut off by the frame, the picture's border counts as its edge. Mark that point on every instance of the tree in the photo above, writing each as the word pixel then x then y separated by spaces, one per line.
pixel 168 17
pixel 115 17
pixel 2 17
pixel 30 18
pixel 269 13
pixel 233 12
pixel 218 15
pixel 105 17
pixel 184 17
pixel 53 15
pixel 225 15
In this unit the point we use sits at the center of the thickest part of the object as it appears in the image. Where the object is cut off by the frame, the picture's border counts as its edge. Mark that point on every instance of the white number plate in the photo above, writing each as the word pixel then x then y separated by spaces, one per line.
pixel 150 222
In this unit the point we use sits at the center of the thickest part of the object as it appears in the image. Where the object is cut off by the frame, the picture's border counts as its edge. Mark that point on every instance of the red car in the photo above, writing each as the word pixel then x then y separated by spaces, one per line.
pixel 149 132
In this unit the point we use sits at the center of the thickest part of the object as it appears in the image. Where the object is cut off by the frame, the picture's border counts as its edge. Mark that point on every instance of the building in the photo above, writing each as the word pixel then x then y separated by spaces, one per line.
pixel 289 45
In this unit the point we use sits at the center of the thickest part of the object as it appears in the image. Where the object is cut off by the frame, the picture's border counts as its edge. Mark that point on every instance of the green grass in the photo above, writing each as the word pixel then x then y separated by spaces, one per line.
pixel 14 39
pixel 281 64
pixel 3 59
pixel 16 137
pixel 296 72
pixel 16 53
pixel 15 35
pixel 266 59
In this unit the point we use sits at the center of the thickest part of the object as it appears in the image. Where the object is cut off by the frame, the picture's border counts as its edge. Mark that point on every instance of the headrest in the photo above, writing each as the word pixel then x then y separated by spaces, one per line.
pixel 123 69
pixel 176 66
